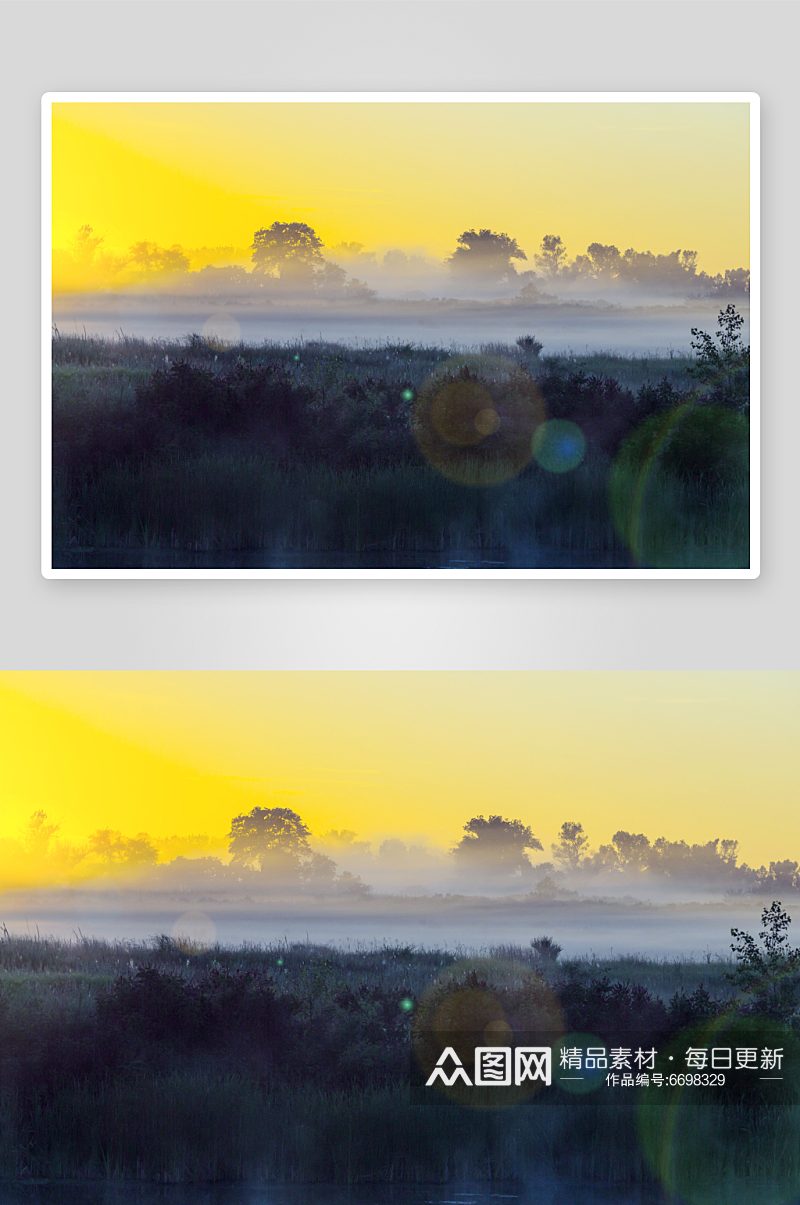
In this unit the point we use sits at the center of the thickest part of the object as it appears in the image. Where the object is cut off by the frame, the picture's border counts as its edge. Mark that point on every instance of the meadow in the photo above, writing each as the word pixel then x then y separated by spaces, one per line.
pixel 166 1061
pixel 197 453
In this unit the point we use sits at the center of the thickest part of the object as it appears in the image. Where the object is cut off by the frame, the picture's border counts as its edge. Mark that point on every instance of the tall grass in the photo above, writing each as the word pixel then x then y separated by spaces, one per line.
pixel 210 1126
pixel 171 1111
pixel 234 501
pixel 324 463
pixel 324 364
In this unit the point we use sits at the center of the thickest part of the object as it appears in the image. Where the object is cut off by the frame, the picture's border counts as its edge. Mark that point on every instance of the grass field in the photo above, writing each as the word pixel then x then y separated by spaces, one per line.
pixel 166 1061
pixel 307 449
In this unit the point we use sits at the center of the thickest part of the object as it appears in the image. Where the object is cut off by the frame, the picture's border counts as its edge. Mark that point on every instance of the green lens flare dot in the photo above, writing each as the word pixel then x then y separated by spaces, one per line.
pixel 558 445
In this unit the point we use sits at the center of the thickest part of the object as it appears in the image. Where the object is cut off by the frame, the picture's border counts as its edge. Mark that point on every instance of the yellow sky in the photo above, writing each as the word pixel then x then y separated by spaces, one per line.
pixel 650 176
pixel 680 755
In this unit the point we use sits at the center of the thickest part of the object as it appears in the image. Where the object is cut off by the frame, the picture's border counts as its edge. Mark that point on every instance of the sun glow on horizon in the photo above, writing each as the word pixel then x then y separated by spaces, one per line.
pixel 689 756
pixel 411 176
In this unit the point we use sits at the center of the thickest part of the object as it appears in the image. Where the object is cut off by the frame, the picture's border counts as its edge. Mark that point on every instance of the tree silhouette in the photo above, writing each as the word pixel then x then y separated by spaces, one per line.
pixel 678 859
pixel 769 969
pixel 38 834
pixel 632 849
pixel 571 847
pixel 270 838
pixel 330 278
pixel 724 369
pixel 115 849
pixel 495 846
pixel 552 253
pixel 485 255
pixel 289 249
pixel 85 245
pixel 345 839
pixel 605 260
pixel 151 258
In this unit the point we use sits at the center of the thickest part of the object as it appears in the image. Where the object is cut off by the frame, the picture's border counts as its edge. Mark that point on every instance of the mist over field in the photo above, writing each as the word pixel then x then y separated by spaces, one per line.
pixel 583 927
pixel 563 329
pixel 270 879
pixel 288 285
pixel 399 893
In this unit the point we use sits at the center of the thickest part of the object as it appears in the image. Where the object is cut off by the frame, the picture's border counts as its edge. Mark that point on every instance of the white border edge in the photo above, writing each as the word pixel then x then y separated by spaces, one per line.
pixel 50 98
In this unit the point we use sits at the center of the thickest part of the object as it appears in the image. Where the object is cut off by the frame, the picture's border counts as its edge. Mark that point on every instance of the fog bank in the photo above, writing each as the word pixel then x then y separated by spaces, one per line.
pixel 582 927
pixel 561 328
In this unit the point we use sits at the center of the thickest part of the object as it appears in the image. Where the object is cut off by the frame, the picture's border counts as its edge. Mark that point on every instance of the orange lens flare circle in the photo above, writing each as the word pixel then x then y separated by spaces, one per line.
pixel 475 417
pixel 482 1002
pixel 741 1151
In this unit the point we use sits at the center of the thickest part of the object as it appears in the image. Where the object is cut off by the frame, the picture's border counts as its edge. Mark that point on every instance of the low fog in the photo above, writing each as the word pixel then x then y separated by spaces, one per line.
pixel 288 286
pixel 563 329
pixel 270 879
pixel 582 927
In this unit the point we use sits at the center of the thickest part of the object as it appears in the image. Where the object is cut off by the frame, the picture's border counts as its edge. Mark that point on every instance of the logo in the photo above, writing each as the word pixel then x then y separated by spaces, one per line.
pixel 493 1066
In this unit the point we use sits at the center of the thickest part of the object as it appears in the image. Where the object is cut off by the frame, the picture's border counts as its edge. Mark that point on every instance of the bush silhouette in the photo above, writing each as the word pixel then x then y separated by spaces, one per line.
pixel 258 401
pixel 708 444
pixel 612 1009
pixel 545 949
pixel 529 345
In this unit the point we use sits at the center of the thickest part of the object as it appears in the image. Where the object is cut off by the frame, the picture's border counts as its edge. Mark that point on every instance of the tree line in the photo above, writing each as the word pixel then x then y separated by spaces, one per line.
pixel 500 847
pixel 272 846
pixel 289 255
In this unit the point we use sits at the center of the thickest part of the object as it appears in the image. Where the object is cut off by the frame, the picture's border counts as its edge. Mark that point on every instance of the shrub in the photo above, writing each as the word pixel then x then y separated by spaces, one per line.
pixel 604 410
pixel 474 420
pixel 769 969
pixel 706 444
pixel 612 1009
pixel 260 401
pixel 691 1008
pixel 545 949
pixel 724 371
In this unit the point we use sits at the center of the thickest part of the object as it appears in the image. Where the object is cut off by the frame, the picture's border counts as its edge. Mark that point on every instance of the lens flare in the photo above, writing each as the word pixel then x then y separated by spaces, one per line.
pixel 679 489
pixel 221 331
pixel 487 421
pixel 474 419
pixel 558 445
pixel 740 1152
pixel 581 1079
pixel 194 932
pixel 456 409
pixel 482 1002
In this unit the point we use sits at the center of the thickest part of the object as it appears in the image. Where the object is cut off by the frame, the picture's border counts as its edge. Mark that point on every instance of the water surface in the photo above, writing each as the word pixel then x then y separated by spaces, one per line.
pixel 540 1191
pixel 518 558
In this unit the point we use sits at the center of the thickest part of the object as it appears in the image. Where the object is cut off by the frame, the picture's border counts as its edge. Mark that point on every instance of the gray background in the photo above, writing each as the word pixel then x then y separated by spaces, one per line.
pixel 435 46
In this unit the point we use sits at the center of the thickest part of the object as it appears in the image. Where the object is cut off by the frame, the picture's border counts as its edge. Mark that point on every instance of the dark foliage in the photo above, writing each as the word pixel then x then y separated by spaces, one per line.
pixel 370 425
pixel 152 1019
pixel 260 402
pixel 691 1008
pixel 411 451
pixel 706 444
pixel 605 411
pixel 768 969
pixel 723 371
pixel 195 405
pixel 617 1010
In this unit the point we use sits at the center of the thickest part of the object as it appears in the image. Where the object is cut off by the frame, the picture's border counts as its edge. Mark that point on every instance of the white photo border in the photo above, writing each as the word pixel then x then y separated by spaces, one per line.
pixel 750 98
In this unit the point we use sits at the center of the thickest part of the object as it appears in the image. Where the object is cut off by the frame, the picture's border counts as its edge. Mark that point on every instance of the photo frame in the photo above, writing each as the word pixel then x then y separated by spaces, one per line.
pixel 299 406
